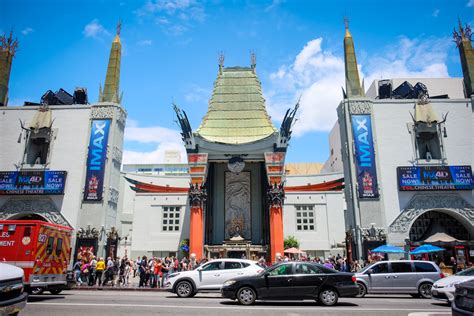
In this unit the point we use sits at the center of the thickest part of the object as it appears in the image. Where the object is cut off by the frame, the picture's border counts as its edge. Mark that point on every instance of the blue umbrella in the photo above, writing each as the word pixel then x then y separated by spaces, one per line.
pixel 426 248
pixel 388 249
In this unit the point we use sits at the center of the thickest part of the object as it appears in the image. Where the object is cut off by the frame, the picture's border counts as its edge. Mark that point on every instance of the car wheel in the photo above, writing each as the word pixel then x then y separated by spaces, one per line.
pixel 246 296
pixel 362 290
pixel 328 297
pixel 36 290
pixel 55 292
pixel 425 290
pixel 184 289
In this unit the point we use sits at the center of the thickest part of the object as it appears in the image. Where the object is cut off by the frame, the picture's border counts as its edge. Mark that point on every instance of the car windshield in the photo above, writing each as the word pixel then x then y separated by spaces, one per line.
pixel 468 272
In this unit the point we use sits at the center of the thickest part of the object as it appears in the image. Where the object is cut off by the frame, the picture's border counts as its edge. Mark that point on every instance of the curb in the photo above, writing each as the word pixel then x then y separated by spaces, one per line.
pixel 106 288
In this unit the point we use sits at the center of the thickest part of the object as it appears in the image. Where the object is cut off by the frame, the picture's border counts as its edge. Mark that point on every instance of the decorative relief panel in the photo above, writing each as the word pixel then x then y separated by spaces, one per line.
pixel 44 207
pixel 360 107
pixel 422 203
pixel 117 155
pixel 102 112
pixel 113 195
pixel 237 205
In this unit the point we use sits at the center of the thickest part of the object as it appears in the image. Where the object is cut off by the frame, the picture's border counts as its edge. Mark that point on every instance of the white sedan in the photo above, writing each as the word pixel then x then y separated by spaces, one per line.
pixel 210 276
pixel 443 289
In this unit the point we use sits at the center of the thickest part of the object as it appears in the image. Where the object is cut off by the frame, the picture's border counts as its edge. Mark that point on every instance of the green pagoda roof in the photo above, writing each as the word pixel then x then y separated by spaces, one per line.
pixel 236 112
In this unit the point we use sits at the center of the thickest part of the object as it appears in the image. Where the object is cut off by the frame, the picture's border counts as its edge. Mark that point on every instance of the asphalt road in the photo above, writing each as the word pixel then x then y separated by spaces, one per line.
pixel 163 303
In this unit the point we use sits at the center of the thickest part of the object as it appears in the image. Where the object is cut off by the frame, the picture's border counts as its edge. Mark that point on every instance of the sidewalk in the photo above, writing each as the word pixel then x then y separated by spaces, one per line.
pixel 133 286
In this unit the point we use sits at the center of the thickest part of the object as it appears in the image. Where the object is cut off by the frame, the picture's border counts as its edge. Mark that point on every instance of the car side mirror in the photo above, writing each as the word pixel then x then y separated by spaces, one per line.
pixel 370 271
pixel 266 274
pixel 199 269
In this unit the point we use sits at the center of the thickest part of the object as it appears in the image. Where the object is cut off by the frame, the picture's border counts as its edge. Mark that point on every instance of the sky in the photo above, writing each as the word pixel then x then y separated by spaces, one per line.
pixel 170 54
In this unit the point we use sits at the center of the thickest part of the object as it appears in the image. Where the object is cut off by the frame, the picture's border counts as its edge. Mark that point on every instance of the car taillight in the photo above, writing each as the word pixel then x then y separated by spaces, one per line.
pixel 258 271
pixel 441 275
pixel 354 279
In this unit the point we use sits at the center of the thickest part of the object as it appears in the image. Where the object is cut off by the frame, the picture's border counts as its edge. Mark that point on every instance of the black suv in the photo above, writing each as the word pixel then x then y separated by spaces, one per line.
pixel 463 303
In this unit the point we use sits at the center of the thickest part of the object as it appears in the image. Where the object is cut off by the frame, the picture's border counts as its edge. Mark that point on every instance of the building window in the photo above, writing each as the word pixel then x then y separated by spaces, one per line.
pixel 38 147
pixel 171 218
pixel 305 218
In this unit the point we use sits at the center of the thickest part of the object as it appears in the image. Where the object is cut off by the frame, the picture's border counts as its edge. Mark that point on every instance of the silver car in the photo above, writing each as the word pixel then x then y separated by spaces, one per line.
pixel 414 277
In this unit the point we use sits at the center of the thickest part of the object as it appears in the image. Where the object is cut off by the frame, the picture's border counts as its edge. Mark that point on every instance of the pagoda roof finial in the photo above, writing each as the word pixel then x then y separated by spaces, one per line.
pixel 253 60
pixel 221 59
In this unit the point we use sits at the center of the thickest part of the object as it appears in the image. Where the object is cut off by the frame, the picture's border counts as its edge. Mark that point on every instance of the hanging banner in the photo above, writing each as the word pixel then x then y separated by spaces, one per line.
pixel 435 178
pixel 32 182
pixel 94 185
pixel 365 156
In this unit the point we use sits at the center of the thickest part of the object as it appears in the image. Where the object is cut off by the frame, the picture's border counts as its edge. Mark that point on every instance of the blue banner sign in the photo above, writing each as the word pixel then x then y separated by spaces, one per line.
pixel 94 185
pixel 32 182
pixel 364 156
pixel 435 178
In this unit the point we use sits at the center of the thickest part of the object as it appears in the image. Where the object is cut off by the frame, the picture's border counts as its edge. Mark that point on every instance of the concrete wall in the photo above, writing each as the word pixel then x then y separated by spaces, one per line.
pixel 68 150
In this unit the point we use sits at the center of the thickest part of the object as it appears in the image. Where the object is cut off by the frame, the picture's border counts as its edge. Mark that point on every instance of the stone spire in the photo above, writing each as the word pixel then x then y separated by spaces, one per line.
pixel 112 79
pixel 353 87
pixel 8 47
pixel 463 42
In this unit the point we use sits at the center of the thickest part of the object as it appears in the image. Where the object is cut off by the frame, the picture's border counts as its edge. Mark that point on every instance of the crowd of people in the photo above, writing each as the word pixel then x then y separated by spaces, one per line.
pixel 151 272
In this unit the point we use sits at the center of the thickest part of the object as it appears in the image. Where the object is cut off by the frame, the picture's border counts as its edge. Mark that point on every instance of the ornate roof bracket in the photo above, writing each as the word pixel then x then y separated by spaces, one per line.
pixel 286 125
pixel 186 130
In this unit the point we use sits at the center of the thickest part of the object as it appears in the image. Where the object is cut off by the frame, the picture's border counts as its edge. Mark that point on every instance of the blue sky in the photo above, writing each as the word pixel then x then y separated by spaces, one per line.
pixel 170 50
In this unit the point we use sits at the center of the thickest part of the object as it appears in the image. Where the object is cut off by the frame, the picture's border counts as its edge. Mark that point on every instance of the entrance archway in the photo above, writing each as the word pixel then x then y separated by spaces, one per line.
pixel 30 217
pixel 432 222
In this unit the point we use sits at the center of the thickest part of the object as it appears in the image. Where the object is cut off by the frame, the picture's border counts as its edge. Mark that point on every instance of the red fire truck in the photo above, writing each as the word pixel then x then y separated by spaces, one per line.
pixel 42 249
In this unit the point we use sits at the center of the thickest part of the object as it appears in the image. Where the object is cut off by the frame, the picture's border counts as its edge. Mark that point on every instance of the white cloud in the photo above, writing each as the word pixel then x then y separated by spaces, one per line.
pixel 94 29
pixel 27 31
pixel 197 95
pixel 146 42
pixel 317 75
pixel 164 138
pixel 155 156
pixel 436 12
pixel 470 3
pixel 273 5
pixel 175 17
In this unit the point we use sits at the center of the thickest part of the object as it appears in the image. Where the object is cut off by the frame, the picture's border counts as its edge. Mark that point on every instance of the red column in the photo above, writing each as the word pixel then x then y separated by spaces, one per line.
pixel 196 233
pixel 276 231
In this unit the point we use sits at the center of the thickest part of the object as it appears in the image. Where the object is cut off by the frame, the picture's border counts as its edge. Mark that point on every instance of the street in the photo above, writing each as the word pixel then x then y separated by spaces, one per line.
pixel 147 303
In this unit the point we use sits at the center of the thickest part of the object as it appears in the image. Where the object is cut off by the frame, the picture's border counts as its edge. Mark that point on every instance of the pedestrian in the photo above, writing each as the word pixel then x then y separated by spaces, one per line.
pixel 93 271
pixel 127 271
pixel 142 271
pixel 109 272
pixel 77 272
pixel 99 270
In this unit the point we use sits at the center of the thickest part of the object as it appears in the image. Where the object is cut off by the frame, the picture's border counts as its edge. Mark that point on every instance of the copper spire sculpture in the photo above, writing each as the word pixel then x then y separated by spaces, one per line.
pixel 8 48
pixel 353 87
pixel 112 79
pixel 463 42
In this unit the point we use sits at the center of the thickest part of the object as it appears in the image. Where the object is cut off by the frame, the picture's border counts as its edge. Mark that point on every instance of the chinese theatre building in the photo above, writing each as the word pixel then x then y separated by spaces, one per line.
pixel 407 162
pixel 232 203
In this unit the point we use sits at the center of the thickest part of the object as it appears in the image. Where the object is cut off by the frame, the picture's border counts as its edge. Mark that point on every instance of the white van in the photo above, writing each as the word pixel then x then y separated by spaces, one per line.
pixel 13 298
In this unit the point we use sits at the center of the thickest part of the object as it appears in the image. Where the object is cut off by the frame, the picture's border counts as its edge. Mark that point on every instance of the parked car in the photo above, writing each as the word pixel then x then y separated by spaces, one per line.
pixel 414 277
pixel 210 276
pixel 463 303
pixel 12 298
pixel 444 289
pixel 292 281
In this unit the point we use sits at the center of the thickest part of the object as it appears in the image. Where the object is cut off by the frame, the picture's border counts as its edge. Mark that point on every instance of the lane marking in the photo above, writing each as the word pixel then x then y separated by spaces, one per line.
pixel 239 307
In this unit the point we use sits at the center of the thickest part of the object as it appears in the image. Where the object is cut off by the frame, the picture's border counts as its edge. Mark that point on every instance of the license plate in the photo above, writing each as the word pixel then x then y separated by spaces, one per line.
pixel 467 303
pixel 434 292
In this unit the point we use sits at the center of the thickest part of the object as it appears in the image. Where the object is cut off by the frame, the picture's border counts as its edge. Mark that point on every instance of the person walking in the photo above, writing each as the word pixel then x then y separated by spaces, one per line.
pixel 99 270
pixel 77 272
pixel 142 271
pixel 93 271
